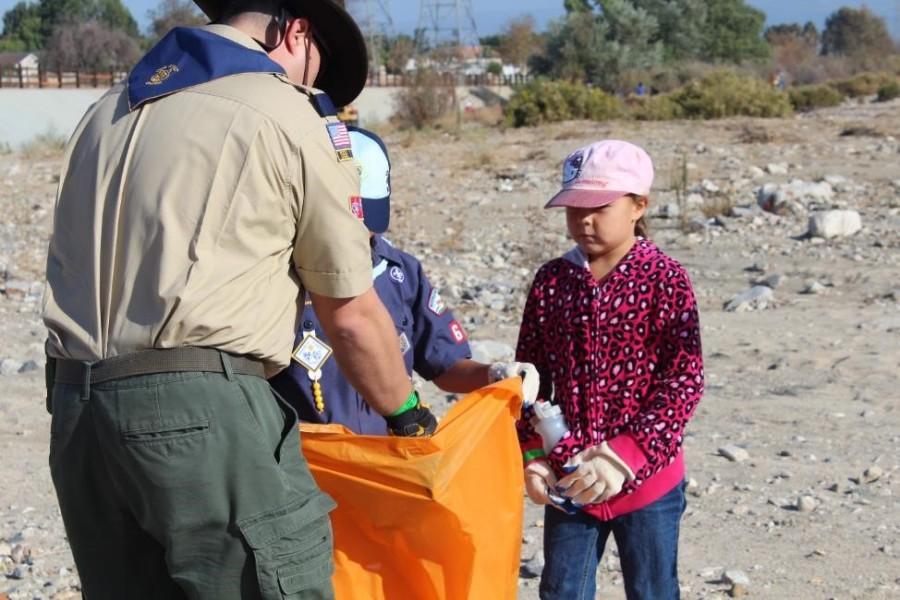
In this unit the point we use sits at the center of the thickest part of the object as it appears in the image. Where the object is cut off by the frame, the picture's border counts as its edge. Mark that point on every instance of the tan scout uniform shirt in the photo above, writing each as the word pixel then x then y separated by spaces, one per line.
pixel 178 224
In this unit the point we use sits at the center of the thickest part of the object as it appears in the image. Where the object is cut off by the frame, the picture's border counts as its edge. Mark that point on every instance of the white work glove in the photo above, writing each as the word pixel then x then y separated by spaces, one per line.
pixel 531 381
pixel 539 480
pixel 598 476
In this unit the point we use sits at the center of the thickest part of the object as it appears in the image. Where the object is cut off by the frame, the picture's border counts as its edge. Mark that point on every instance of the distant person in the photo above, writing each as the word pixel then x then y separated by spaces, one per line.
pixel 612 328
pixel 432 341
pixel 640 90
pixel 781 81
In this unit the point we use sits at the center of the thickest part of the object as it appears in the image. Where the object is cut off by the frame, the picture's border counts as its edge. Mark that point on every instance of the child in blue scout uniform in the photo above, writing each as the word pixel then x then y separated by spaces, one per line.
pixel 433 342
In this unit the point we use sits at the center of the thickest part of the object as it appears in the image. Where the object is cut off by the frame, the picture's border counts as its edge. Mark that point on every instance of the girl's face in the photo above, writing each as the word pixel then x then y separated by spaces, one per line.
pixel 599 231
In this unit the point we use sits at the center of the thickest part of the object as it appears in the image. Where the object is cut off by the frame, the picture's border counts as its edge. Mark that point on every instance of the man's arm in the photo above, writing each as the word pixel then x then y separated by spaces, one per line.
pixel 464 376
pixel 366 347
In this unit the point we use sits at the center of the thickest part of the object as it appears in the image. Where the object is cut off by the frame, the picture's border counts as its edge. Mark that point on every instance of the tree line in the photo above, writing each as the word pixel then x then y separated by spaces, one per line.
pixel 604 43
pixel 88 35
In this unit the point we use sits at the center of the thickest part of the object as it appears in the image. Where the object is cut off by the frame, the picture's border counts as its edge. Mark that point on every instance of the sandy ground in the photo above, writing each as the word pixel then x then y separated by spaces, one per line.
pixel 807 387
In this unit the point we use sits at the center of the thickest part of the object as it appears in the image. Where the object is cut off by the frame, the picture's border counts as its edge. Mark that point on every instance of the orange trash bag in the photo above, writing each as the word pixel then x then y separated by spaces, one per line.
pixel 437 518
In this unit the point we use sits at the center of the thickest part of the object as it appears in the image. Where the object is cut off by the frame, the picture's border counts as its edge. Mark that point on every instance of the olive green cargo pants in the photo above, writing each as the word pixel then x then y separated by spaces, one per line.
pixel 188 485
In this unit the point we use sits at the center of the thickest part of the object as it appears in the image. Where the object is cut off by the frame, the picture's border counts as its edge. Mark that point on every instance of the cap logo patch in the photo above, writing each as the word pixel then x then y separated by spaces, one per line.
pixel 572 167
pixel 162 74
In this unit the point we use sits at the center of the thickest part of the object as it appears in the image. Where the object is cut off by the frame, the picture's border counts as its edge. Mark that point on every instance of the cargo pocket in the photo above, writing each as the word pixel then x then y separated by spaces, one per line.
pixel 292 549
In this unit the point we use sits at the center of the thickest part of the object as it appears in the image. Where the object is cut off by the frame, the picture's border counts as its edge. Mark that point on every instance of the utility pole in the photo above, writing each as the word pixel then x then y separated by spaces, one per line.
pixel 897 21
pixel 448 22
pixel 376 24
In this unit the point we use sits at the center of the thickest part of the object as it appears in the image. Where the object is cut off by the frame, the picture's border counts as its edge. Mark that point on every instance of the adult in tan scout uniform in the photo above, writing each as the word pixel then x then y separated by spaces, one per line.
pixel 195 202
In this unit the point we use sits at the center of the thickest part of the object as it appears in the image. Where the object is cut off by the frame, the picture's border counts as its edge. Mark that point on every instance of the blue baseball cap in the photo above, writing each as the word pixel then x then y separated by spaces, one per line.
pixel 374 178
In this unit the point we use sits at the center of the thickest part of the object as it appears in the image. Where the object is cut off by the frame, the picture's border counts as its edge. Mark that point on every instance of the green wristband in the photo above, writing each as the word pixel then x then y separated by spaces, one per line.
pixel 411 402
pixel 533 454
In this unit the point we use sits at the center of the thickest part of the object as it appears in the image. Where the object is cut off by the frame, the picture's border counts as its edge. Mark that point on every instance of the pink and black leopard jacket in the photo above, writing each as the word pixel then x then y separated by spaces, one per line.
pixel 622 358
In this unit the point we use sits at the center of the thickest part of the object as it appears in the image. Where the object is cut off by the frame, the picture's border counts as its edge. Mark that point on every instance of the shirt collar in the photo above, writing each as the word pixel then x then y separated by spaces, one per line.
pixel 190 56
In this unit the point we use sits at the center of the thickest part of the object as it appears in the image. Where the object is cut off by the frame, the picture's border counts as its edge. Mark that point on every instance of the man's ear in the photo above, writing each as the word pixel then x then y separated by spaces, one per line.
pixel 295 35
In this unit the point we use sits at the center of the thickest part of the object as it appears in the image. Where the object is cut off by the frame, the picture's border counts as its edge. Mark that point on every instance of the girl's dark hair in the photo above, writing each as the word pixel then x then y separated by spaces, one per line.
pixel 641 229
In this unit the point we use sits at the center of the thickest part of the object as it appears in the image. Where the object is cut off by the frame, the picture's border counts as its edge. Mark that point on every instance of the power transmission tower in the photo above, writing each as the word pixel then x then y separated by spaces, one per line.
pixel 897 20
pixel 447 23
pixel 374 19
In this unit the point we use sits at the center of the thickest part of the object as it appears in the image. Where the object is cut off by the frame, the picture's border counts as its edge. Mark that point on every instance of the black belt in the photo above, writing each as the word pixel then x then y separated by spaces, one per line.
pixel 148 362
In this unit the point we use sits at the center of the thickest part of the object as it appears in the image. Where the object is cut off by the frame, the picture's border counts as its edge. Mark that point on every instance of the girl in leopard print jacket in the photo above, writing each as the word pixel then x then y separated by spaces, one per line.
pixel 612 328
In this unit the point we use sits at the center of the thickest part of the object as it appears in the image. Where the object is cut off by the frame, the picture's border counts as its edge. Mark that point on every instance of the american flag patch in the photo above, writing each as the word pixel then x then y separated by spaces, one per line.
pixel 340 137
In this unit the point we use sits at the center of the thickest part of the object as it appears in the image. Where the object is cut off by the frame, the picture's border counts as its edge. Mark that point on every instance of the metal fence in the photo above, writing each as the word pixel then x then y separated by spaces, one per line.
pixel 450 79
pixel 22 77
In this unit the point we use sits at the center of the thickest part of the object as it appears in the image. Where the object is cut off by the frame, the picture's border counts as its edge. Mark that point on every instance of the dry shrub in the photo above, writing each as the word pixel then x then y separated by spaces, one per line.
pixel 570 133
pixel 424 102
pixel 488 116
pixel 535 155
pixel 543 101
pixel 889 91
pixel 478 161
pixel 717 206
pixel 47 144
pixel 860 131
pixel 864 84
pixel 655 108
pixel 755 134
pixel 727 93
pixel 809 97
pixel 664 78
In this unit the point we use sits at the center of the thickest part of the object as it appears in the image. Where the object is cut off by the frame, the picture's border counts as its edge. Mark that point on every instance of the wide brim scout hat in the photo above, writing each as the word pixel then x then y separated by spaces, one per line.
pixel 345 62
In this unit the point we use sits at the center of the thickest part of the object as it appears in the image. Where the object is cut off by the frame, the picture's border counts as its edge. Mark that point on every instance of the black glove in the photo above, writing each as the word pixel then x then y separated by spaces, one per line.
pixel 415 422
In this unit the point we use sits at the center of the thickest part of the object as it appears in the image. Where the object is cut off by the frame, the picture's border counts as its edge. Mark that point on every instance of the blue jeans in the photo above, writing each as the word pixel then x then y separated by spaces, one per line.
pixel 648 551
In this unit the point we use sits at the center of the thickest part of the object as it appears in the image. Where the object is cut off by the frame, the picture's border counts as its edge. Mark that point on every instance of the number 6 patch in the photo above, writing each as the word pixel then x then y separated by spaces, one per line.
pixel 459 334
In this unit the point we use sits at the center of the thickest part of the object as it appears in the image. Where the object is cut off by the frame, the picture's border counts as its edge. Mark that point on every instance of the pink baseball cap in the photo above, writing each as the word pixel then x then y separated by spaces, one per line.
pixel 602 172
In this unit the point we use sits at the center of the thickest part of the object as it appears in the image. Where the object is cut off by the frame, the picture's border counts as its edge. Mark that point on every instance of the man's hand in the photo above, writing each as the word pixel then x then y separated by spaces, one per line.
pixel 598 476
pixel 531 381
pixel 415 422
pixel 539 480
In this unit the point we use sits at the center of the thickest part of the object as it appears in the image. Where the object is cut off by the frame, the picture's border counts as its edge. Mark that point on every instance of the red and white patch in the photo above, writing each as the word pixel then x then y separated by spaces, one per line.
pixel 459 334
pixel 356 207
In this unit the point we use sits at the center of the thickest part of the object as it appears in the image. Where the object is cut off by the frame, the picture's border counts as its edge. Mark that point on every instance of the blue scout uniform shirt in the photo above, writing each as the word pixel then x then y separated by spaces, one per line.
pixel 431 340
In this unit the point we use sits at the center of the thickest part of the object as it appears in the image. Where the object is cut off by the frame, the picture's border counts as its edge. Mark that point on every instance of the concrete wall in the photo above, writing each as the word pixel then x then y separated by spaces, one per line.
pixel 25 114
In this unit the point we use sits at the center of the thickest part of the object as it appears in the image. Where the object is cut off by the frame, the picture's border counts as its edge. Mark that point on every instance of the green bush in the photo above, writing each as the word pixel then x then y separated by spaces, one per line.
pixel 889 91
pixel 864 84
pixel 656 108
pixel 543 101
pixel 809 97
pixel 726 93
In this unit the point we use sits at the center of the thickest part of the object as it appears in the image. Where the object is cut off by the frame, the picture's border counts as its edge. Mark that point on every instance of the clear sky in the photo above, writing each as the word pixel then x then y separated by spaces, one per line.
pixel 491 15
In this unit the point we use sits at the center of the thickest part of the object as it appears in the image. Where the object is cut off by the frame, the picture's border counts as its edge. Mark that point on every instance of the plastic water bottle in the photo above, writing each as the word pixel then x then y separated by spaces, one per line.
pixel 551 425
